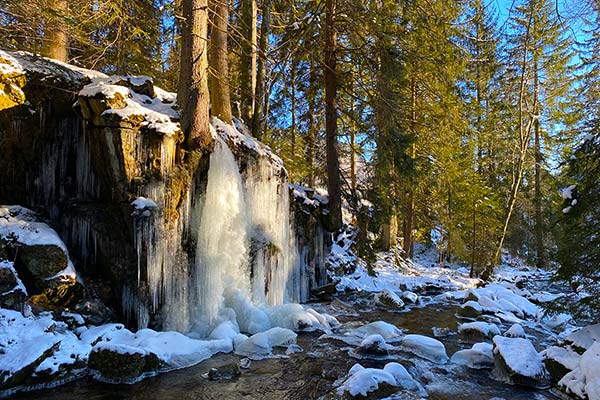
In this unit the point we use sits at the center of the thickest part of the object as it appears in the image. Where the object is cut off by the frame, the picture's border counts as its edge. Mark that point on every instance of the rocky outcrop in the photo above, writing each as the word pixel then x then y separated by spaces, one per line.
pixel 83 145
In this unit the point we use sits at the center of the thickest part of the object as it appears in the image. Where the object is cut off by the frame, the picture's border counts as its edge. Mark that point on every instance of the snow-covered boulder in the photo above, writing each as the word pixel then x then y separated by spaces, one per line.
pixel 515 331
pixel 559 361
pixel 470 309
pixel 424 346
pixel 40 252
pixel 584 338
pixel 389 300
pixel 378 383
pixel 261 344
pixel 479 356
pixel 409 297
pixel 584 381
pixel 373 345
pixel 13 294
pixel 517 362
pixel 386 330
pixel 121 363
pixel 478 331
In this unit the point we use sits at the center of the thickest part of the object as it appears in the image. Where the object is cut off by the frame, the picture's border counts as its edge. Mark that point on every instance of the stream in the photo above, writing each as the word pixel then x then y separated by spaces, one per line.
pixel 311 374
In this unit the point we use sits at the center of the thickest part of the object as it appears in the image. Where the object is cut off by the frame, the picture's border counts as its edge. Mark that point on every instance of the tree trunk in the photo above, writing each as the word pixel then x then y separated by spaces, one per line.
pixel 218 80
pixel 261 95
pixel 57 40
pixel 293 101
pixel 192 94
pixel 410 199
pixel 352 149
pixel 333 169
pixel 248 60
pixel 540 261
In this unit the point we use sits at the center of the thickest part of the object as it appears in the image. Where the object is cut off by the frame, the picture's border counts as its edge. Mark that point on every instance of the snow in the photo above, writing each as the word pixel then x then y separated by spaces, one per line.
pixel 585 337
pixel 142 203
pixel 373 340
pixel 362 381
pixel 568 358
pixel 387 298
pixel 238 135
pixel 478 356
pixel 519 355
pixel 299 318
pixel 485 328
pixel 411 275
pixel 19 286
pixel 382 328
pixel 261 344
pixel 584 380
pixel 474 305
pixel 20 224
pixel 567 192
pixel 515 331
pixel 158 112
pixel 424 346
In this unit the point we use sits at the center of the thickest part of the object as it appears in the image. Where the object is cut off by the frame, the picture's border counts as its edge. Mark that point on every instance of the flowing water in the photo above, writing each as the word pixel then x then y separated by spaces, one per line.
pixel 311 374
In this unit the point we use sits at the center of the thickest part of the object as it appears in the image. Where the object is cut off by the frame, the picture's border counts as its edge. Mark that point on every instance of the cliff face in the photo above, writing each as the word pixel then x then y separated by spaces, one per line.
pixel 79 147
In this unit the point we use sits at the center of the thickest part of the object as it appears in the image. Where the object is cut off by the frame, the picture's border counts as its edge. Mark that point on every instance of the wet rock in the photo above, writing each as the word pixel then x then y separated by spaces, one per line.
pixel 121 363
pixel 389 300
pixel 324 292
pixel 94 312
pixel 470 309
pixel 517 362
pixel 409 297
pixel 225 372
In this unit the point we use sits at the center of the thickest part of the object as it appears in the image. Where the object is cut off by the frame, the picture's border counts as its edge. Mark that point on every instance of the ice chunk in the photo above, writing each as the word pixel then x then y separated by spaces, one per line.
pixel 261 344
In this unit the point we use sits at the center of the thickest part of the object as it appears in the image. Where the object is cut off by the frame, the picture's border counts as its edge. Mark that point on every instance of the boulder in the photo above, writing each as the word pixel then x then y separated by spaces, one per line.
pixel 13 294
pixel 584 338
pixel 477 331
pixel 517 362
pixel 389 300
pixel 426 347
pixel 119 363
pixel 373 345
pixel 559 361
pixel 480 356
pixel 515 331
pixel 470 309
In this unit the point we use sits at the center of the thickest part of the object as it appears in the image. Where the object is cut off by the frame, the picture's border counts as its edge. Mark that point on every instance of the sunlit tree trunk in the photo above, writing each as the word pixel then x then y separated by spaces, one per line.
pixel 219 78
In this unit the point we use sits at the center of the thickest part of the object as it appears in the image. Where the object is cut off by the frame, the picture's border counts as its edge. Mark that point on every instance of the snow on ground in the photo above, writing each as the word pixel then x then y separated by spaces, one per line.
pixel 410 275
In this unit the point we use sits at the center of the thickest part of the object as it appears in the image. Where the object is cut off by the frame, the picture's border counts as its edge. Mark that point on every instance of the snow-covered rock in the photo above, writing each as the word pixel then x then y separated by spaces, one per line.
pixel 424 346
pixel 584 338
pixel 479 356
pixel 478 331
pixel 373 345
pixel 386 330
pixel 261 344
pixel 470 309
pixel 378 382
pixel 389 300
pixel 515 331
pixel 584 381
pixel 560 361
pixel 517 362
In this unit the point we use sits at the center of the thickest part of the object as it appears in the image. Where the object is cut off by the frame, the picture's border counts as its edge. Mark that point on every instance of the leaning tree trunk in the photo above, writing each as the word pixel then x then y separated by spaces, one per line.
pixel 218 80
pixel 192 95
pixel 333 168
pixel 56 36
pixel 261 95
pixel 248 60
